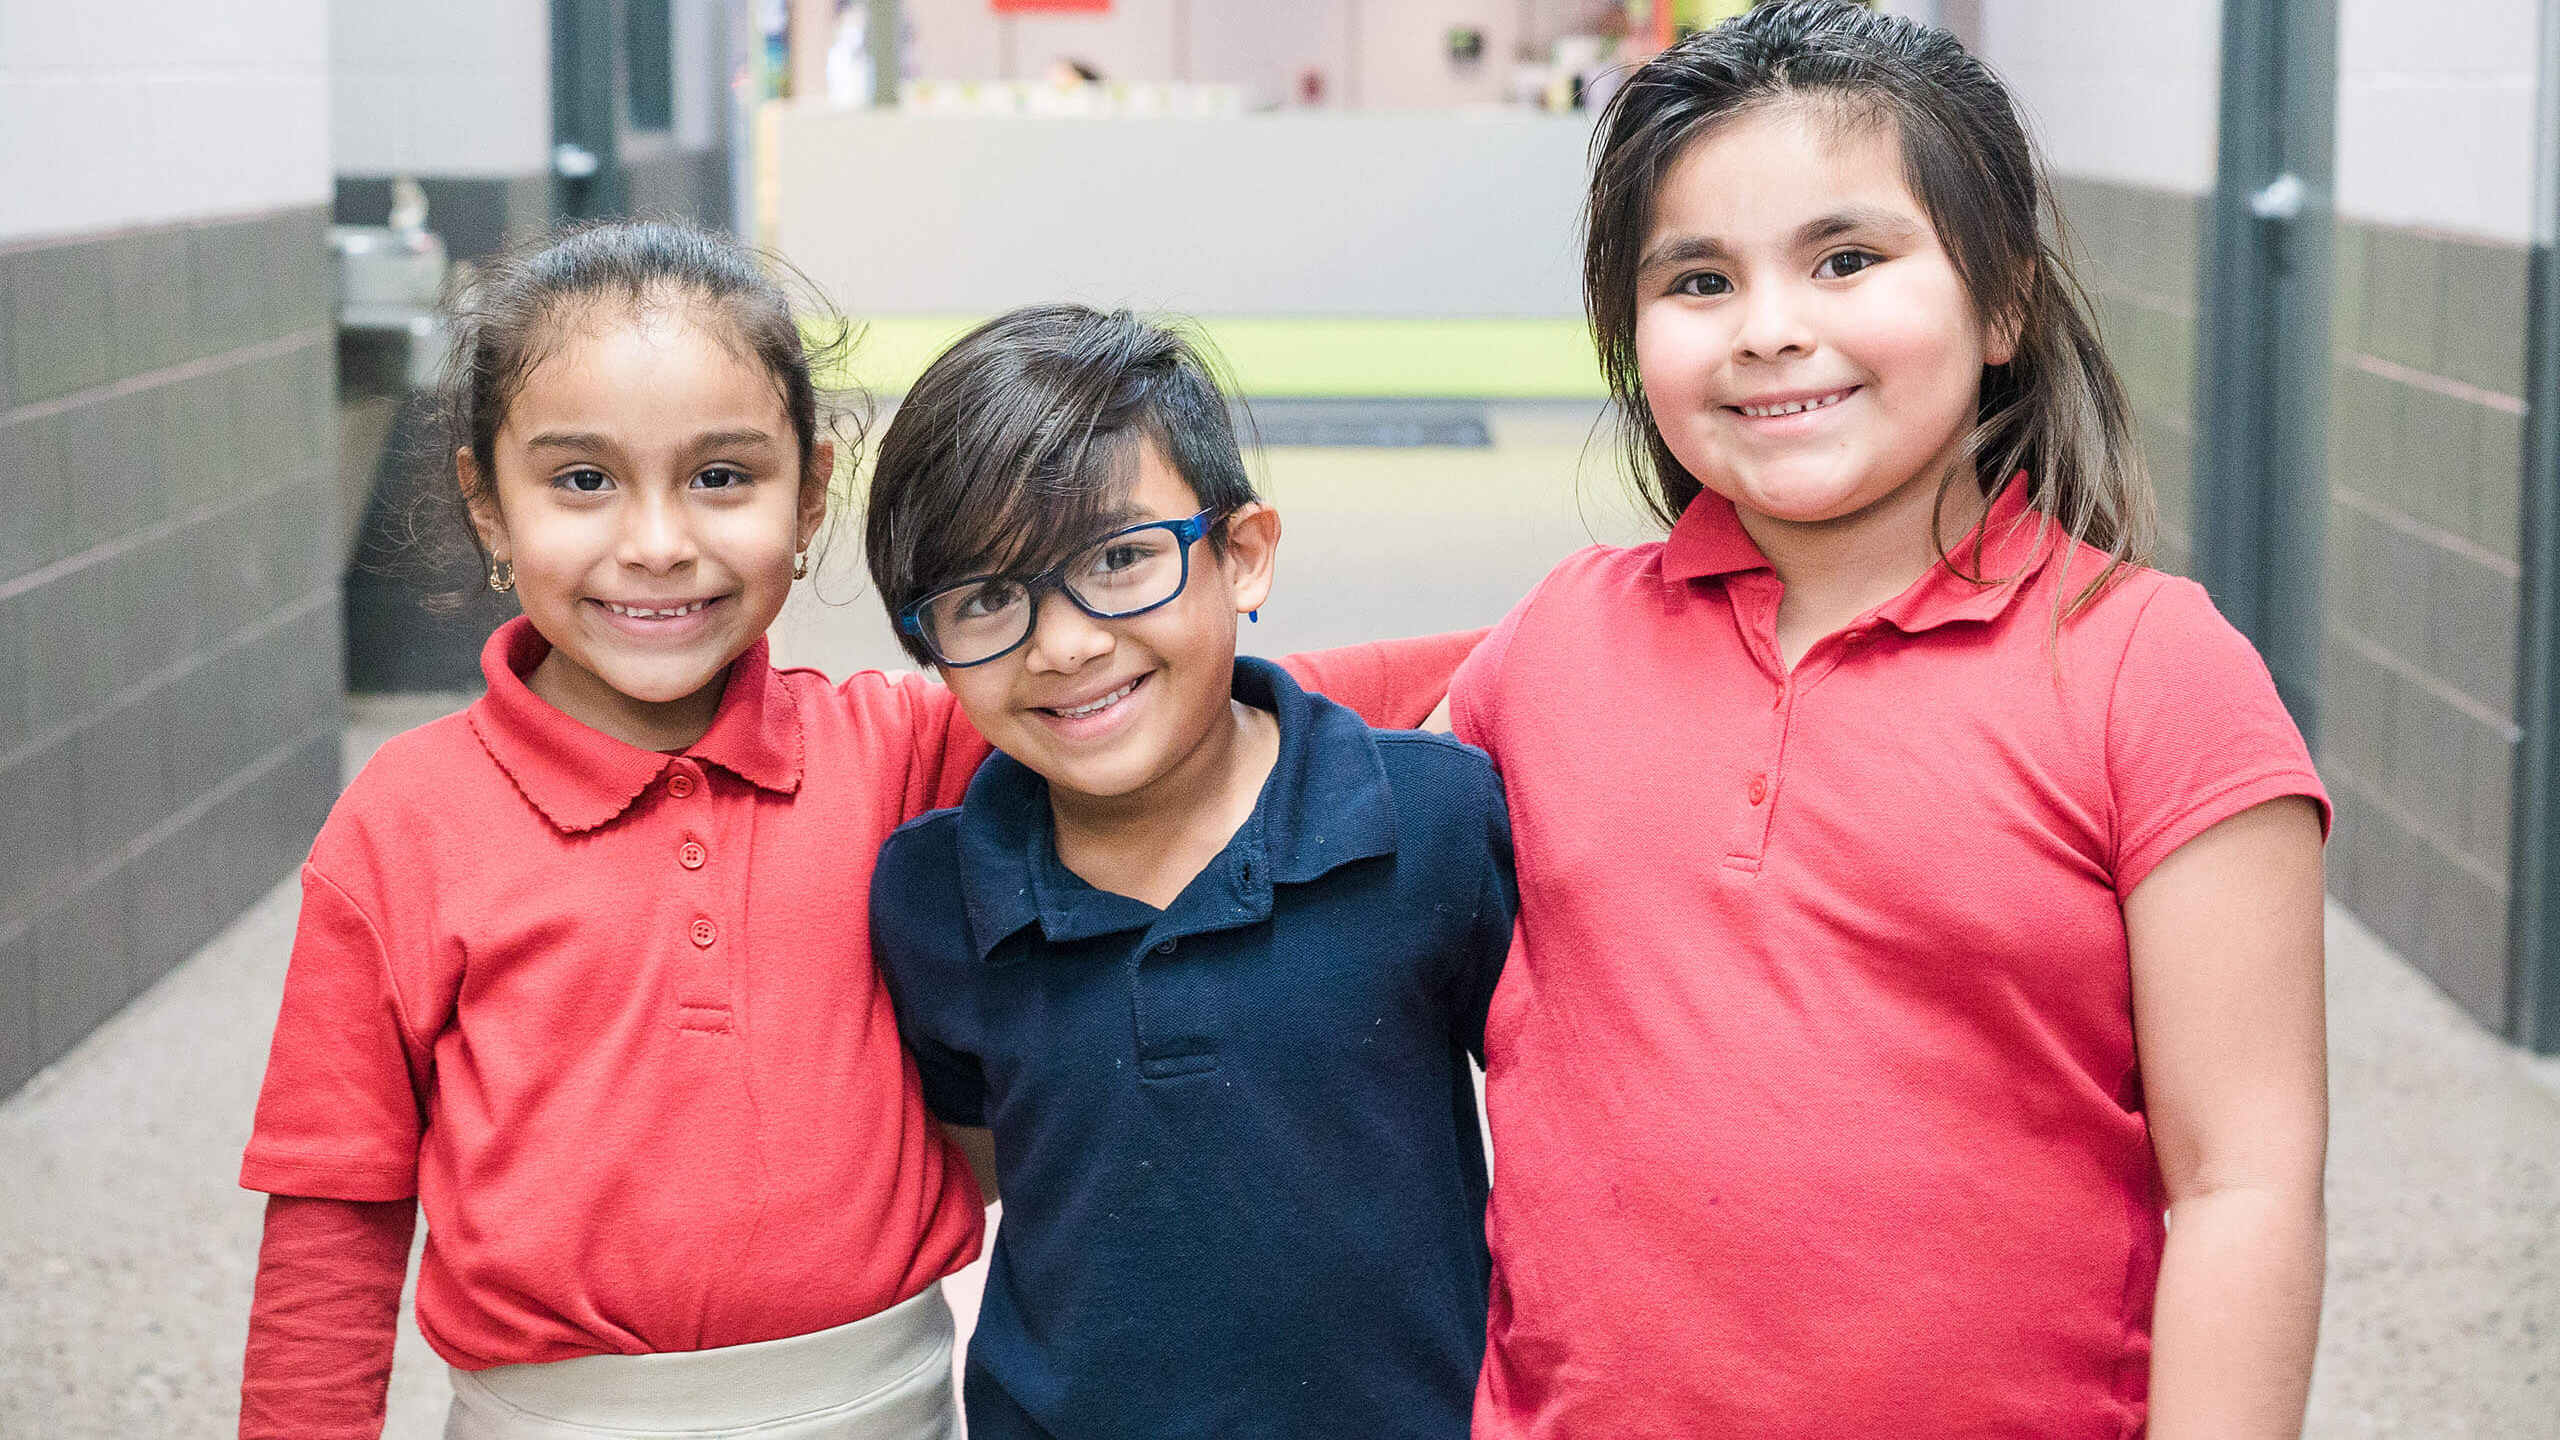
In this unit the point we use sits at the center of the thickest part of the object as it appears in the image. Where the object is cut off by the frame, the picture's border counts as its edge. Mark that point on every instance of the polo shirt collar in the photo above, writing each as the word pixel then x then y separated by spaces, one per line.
pixel 1324 805
pixel 1988 568
pixel 581 779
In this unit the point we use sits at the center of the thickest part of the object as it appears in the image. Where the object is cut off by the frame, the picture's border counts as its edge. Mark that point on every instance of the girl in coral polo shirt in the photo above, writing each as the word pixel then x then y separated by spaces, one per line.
pixel 584 972
pixel 1931 898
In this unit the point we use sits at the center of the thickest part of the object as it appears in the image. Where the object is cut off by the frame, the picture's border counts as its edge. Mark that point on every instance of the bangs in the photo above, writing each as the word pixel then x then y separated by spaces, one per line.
pixel 1026 496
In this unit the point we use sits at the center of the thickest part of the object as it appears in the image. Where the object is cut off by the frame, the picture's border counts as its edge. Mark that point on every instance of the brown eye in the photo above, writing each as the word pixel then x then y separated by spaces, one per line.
pixel 1845 263
pixel 1702 283
pixel 583 482
pixel 720 477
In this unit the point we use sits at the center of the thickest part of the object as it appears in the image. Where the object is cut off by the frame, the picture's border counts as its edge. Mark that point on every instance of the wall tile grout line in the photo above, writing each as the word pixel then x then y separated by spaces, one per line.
pixel 237 640
pixel 106 550
pixel 2506 729
pixel 2451 389
pixel 2493 876
pixel 181 225
pixel 2417 529
pixel 277 348
pixel 143 843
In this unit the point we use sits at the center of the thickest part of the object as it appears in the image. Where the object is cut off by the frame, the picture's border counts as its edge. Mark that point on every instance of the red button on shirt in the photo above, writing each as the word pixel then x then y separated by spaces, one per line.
pixel 680 785
pixel 704 932
pixel 690 855
pixel 1823 1119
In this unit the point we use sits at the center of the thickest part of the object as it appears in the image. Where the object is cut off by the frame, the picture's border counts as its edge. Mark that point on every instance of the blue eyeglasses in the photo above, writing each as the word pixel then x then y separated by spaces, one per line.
pixel 1126 573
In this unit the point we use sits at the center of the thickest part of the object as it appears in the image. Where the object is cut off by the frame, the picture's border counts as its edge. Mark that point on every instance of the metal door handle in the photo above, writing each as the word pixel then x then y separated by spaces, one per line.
pixel 2281 199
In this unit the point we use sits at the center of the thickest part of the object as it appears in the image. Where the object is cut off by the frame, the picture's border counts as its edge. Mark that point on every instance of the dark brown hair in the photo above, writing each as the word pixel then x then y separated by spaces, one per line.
pixel 512 311
pixel 1015 444
pixel 2056 410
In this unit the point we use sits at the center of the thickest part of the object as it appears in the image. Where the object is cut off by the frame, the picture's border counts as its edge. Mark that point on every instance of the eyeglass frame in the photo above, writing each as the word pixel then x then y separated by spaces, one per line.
pixel 1188 531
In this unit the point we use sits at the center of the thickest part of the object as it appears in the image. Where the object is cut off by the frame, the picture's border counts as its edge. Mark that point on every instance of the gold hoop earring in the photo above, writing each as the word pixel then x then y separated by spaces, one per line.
pixel 800 566
pixel 502 582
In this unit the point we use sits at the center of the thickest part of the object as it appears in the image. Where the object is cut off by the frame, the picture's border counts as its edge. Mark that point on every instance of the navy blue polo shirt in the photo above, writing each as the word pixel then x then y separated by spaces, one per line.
pixel 1244 1188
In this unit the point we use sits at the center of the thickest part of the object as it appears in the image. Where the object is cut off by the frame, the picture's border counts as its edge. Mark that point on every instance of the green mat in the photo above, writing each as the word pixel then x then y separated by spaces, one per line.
pixel 1334 358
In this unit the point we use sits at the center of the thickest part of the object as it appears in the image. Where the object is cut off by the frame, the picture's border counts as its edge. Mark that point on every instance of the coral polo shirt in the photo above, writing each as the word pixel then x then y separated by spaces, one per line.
pixel 611 1015
pixel 1812 1074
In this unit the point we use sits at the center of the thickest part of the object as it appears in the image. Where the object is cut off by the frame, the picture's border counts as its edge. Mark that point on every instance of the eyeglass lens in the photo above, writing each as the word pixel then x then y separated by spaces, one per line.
pixel 1124 574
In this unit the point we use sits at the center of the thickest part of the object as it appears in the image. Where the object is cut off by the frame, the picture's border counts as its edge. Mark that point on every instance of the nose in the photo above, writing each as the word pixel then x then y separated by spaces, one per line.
pixel 1773 325
pixel 657 535
pixel 1064 639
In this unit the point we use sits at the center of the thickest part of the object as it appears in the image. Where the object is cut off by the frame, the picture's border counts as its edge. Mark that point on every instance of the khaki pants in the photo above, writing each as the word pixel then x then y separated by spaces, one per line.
pixel 887 1377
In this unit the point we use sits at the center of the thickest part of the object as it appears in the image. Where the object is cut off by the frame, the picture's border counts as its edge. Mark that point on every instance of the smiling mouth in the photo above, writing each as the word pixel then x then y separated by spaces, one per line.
pixel 1795 407
pixel 642 612
pixel 1096 705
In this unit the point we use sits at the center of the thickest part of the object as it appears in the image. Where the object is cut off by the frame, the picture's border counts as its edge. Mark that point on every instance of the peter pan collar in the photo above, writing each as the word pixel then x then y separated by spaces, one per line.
pixel 1324 805
pixel 1980 578
pixel 581 779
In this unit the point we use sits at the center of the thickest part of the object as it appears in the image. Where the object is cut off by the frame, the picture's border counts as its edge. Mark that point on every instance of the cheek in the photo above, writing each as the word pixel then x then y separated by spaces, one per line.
pixel 1922 340
pixel 1677 354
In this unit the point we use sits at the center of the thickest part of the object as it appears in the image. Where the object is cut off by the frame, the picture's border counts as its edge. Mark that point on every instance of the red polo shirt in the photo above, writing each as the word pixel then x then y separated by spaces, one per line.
pixel 1812 1076
pixel 611 1016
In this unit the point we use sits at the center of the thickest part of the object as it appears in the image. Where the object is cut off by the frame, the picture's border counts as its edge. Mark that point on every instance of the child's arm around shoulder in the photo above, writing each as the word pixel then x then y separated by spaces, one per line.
pixel 2218 823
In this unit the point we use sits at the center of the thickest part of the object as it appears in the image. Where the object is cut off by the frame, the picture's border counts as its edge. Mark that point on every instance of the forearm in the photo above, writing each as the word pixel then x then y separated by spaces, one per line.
pixel 2237 1314
pixel 326 1312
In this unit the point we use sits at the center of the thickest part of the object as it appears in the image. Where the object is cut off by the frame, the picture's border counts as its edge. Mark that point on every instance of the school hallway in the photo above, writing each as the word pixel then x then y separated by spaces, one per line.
pixel 127 1252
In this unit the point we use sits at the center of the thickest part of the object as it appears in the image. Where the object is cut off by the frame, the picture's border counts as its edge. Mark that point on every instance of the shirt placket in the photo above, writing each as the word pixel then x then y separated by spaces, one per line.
pixel 1755 603
pixel 702 870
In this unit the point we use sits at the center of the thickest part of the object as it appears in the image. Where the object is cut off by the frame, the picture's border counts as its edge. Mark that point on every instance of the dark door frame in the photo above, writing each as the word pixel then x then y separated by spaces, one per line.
pixel 588 180
pixel 2262 337
pixel 2533 928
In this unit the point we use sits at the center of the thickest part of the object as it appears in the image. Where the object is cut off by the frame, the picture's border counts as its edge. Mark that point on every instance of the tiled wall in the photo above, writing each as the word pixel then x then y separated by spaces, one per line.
pixel 2418 679
pixel 169 548
pixel 2136 250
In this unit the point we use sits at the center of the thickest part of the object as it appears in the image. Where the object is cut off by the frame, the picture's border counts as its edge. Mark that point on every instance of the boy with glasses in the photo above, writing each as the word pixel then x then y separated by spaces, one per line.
pixel 1206 953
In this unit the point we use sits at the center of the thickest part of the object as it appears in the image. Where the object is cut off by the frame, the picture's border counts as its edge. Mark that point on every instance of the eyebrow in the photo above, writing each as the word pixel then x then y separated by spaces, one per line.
pixel 574 441
pixel 1850 220
pixel 585 443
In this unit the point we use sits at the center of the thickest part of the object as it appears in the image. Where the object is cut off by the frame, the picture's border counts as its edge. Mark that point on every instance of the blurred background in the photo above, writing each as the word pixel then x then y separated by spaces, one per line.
pixel 2318 235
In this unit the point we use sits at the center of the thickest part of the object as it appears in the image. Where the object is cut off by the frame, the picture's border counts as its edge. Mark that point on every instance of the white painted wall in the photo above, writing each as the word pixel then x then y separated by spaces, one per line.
pixel 148 111
pixel 1448 214
pixel 459 88
pixel 2125 90
pixel 2435 114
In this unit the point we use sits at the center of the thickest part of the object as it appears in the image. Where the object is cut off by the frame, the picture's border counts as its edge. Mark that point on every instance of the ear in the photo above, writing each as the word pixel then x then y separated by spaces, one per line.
pixel 1253 548
pixel 2000 337
pixel 479 500
pixel 814 488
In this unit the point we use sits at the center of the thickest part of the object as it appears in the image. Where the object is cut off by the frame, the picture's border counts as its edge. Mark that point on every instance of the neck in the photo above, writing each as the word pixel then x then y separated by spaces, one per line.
pixel 1838 569
pixel 1151 842
pixel 643 724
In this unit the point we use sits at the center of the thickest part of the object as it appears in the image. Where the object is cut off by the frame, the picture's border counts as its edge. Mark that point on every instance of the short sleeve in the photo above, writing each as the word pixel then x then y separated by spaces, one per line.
pixel 1475 712
pixel 916 916
pixel 955 1089
pixel 341 1113
pixel 1489 939
pixel 2195 732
